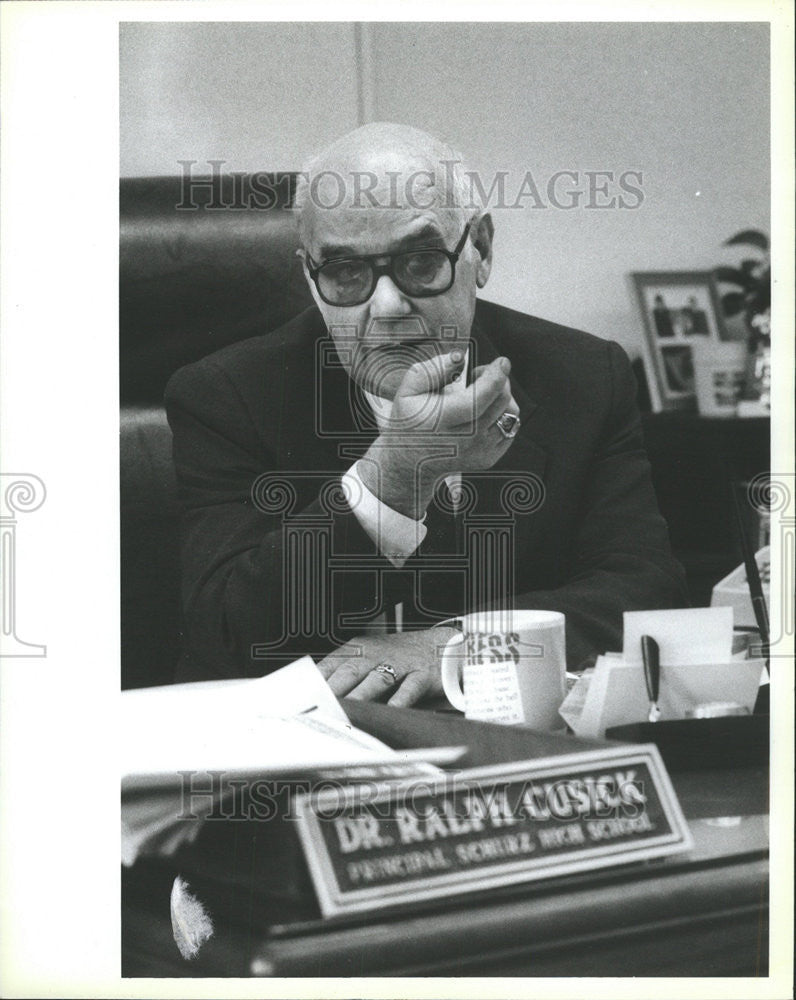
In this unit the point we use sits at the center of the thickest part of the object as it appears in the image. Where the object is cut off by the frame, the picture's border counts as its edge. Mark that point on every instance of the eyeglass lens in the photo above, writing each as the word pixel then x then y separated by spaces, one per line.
pixel 418 273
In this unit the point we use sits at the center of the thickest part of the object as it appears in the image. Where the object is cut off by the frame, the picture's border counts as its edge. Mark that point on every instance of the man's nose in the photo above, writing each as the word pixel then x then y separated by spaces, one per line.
pixel 388 299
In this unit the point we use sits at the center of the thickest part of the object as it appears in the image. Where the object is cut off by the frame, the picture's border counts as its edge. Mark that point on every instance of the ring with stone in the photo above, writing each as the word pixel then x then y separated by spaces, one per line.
pixel 386 671
pixel 508 424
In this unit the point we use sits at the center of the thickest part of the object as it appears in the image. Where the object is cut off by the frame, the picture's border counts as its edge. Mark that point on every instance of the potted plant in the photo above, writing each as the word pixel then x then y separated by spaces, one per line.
pixel 751 297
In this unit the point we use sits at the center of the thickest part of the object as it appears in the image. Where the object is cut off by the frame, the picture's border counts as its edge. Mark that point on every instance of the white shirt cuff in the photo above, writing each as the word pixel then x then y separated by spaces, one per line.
pixel 396 535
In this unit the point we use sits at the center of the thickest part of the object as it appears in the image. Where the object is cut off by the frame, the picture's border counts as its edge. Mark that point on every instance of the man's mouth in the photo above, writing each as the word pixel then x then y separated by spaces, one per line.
pixel 406 351
pixel 396 330
pixel 389 346
pixel 412 342
pixel 382 365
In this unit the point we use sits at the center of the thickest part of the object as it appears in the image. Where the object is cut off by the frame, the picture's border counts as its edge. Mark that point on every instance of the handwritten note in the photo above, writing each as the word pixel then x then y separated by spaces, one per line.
pixel 492 692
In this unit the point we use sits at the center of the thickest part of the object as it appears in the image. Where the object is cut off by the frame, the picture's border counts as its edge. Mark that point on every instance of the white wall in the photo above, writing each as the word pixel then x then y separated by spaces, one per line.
pixel 685 104
pixel 258 96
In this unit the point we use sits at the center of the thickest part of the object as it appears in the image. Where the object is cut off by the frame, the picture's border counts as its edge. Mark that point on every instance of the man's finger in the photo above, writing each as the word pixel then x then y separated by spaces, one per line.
pixel 337 658
pixel 424 377
pixel 490 383
pixel 374 685
pixel 503 404
pixel 493 388
pixel 328 665
pixel 414 687
pixel 345 678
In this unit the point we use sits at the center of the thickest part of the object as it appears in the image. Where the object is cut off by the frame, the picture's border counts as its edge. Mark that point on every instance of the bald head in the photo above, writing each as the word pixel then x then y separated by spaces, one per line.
pixel 383 166
pixel 383 146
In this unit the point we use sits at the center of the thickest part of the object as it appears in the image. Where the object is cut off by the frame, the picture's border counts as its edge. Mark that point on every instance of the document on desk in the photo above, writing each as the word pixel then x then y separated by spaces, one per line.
pixel 284 725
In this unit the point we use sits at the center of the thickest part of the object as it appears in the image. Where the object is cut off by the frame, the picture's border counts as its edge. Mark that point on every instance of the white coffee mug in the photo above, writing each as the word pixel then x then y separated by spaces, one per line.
pixel 508 667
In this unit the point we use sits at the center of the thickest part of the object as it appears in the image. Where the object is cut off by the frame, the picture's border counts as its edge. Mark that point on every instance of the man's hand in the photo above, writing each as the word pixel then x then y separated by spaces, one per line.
pixel 433 432
pixel 414 656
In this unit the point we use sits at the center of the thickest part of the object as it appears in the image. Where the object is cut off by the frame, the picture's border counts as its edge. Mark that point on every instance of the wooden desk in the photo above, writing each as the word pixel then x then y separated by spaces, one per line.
pixel 703 913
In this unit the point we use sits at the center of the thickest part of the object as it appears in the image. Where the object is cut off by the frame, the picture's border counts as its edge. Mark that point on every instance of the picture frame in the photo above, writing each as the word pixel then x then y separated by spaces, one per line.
pixel 679 310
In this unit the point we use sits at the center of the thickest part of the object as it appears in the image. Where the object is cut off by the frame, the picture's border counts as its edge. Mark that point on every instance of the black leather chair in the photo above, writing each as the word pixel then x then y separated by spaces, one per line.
pixel 191 280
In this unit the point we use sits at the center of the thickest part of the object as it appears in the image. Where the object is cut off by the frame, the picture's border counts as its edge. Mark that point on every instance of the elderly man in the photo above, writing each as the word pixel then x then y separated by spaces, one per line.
pixel 405 453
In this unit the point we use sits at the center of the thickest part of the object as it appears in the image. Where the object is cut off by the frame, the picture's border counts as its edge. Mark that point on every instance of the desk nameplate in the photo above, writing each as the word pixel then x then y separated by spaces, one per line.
pixel 372 846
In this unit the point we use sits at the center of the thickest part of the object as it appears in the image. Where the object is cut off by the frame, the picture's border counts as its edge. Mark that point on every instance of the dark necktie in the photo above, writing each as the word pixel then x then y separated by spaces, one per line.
pixel 431 585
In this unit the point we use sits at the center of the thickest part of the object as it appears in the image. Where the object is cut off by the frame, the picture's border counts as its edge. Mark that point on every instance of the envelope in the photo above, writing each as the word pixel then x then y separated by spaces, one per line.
pixel 684 635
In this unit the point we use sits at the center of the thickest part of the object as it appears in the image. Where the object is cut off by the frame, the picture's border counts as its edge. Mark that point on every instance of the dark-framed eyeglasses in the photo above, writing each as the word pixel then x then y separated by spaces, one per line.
pixel 419 273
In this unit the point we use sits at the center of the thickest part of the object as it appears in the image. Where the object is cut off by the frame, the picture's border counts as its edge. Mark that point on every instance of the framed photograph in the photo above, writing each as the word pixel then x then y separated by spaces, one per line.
pixel 680 309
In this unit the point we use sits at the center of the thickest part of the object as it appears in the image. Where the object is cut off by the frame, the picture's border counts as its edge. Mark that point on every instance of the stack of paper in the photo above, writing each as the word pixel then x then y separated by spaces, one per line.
pixel 286 724
pixel 697 667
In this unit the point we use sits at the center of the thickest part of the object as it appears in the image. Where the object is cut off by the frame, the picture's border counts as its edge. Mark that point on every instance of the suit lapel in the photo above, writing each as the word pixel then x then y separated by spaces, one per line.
pixel 344 416
pixel 525 458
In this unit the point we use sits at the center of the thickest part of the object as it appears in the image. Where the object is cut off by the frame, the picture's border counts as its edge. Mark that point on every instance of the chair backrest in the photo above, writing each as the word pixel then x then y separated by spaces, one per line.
pixel 150 578
pixel 201 265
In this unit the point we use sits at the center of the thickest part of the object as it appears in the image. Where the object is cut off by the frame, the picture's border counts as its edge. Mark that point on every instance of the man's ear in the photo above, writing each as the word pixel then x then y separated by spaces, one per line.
pixel 481 234
pixel 302 255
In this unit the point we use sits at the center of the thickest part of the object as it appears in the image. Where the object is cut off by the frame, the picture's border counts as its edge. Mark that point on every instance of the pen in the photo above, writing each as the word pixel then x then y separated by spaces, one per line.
pixel 650 653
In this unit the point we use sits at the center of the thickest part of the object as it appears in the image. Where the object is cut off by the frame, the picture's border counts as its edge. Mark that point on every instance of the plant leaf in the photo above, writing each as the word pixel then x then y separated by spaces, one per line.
pixel 748 237
pixel 190 921
pixel 732 276
pixel 732 303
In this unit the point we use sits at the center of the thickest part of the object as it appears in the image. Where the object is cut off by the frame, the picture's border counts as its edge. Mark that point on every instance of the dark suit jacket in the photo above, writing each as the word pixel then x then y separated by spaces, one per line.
pixel 275 564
